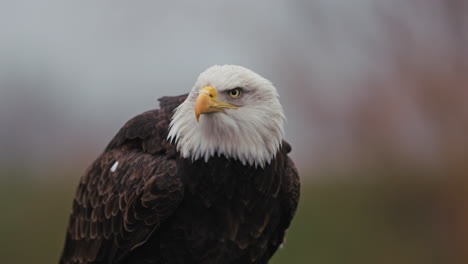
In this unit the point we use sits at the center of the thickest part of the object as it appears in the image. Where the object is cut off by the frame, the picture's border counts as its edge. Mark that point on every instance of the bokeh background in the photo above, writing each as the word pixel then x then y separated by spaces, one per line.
pixel 375 94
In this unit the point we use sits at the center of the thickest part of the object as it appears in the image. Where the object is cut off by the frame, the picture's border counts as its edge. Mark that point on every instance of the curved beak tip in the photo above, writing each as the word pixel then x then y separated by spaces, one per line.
pixel 201 105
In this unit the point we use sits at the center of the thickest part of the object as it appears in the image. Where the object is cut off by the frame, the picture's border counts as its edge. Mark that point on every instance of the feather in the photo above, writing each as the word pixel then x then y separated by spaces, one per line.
pixel 158 207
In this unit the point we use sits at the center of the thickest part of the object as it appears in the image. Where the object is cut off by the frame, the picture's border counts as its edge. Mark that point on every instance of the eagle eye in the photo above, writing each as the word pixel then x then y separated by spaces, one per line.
pixel 235 93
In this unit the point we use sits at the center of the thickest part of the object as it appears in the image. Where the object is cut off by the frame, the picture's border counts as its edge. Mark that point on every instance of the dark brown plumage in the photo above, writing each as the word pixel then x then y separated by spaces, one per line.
pixel 157 207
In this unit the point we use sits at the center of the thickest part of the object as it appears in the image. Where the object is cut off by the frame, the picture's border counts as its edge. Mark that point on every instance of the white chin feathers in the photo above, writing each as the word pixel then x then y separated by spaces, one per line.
pixel 251 140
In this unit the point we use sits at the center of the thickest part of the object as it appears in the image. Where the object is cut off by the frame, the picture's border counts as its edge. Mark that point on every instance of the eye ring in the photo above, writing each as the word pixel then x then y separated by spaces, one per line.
pixel 235 93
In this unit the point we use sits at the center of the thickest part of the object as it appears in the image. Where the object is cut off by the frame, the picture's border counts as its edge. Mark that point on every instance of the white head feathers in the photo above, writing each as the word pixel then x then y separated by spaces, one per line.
pixel 251 133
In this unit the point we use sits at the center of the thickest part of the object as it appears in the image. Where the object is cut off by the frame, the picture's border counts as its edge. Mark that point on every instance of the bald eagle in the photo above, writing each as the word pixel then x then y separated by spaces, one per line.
pixel 206 178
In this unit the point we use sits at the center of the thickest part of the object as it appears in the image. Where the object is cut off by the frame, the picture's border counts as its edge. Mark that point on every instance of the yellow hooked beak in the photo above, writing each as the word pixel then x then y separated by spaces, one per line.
pixel 206 102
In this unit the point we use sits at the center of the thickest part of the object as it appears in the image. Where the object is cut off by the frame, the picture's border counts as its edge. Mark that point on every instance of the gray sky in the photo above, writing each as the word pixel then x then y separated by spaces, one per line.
pixel 72 72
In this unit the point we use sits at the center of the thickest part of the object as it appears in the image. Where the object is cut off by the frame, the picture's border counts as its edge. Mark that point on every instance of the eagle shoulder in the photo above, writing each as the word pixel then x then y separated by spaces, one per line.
pixel 148 130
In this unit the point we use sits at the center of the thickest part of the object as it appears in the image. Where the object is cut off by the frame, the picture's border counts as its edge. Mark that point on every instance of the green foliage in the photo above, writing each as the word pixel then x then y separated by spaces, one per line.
pixel 360 223
pixel 354 222
pixel 35 217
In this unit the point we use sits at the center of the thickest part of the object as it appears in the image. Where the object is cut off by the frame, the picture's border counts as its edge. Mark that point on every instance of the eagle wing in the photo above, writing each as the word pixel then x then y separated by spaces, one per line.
pixel 127 192
pixel 290 188
pixel 288 198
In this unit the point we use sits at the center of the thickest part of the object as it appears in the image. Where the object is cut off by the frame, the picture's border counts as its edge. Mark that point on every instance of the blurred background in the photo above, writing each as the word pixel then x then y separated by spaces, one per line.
pixel 375 93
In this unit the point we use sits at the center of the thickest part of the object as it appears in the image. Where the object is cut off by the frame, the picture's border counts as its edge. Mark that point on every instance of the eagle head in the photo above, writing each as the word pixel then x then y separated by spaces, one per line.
pixel 231 111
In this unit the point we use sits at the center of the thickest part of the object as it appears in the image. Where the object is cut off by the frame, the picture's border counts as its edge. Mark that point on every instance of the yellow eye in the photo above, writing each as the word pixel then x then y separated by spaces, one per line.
pixel 235 93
